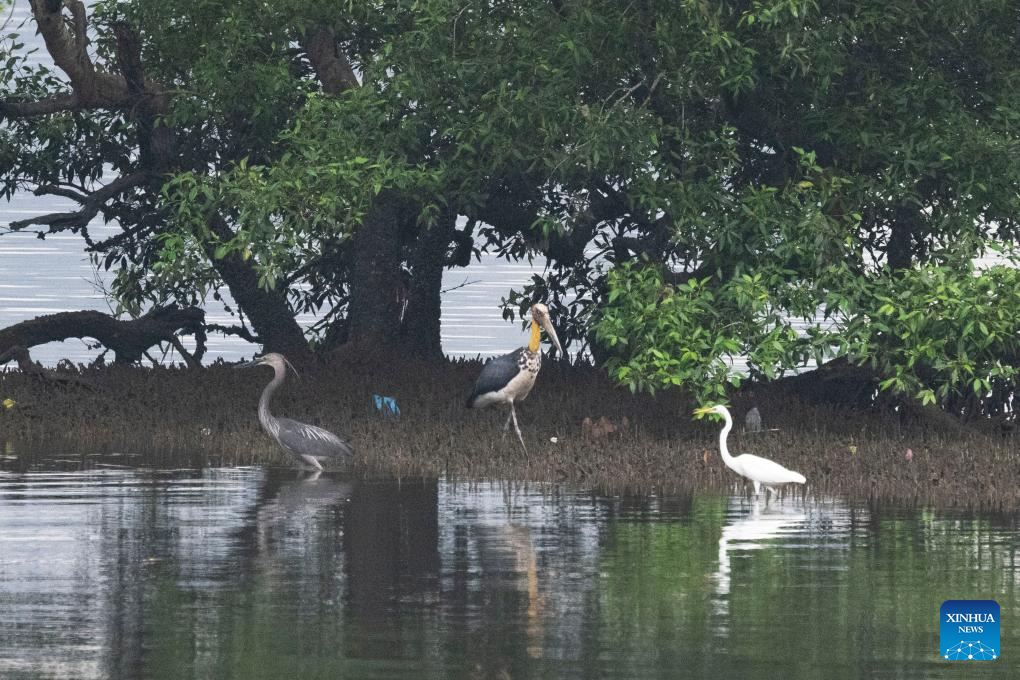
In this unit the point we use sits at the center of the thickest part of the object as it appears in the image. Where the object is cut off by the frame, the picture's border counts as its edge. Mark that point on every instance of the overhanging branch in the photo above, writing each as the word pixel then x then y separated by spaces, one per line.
pixel 92 204
pixel 42 107
pixel 128 339
pixel 239 331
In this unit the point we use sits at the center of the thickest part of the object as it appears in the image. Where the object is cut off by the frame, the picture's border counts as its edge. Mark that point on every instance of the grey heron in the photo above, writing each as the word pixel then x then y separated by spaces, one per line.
pixel 759 470
pixel 307 443
pixel 509 378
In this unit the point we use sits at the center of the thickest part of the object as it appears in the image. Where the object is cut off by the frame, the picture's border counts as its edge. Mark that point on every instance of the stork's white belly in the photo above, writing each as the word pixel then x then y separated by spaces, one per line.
pixel 520 386
pixel 517 389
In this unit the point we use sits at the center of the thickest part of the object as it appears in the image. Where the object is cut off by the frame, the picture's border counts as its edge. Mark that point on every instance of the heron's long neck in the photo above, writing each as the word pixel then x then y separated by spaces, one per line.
pixel 265 417
pixel 536 337
pixel 723 434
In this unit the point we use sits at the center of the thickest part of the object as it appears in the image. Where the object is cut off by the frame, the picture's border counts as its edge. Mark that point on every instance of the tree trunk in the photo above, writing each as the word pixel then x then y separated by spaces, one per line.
pixel 422 321
pixel 267 310
pixel 901 240
pixel 375 301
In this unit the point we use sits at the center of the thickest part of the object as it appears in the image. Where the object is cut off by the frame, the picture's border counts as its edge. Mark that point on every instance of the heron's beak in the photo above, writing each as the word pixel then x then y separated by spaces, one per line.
pixel 551 332
pixel 704 410
pixel 248 364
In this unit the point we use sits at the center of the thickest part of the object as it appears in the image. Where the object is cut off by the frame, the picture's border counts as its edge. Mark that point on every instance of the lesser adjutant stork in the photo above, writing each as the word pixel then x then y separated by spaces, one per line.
pixel 509 378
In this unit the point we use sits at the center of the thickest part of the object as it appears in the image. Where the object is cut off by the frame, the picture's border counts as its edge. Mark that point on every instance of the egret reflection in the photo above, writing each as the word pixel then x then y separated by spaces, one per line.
pixel 764 523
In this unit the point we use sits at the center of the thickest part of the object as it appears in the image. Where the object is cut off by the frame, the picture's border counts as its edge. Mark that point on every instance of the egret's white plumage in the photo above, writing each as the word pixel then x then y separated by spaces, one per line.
pixel 759 470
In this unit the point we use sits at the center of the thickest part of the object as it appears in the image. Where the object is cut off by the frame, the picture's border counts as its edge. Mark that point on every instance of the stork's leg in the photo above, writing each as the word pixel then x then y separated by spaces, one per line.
pixel 506 425
pixel 757 487
pixel 520 437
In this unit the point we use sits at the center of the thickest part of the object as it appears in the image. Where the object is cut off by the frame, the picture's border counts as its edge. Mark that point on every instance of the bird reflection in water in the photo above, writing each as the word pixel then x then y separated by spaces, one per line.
pixel 295 513
pixel 520 541
pixel 307 491
pixel 755 531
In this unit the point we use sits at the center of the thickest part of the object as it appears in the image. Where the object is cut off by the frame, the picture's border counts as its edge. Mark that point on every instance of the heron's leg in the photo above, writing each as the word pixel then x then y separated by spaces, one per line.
pixel 312 461
pixel 520 437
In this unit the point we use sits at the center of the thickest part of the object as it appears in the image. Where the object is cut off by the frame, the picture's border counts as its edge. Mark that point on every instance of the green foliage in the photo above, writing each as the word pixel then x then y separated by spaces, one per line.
pixel 688 334
pixel 855 157
pixel 940 335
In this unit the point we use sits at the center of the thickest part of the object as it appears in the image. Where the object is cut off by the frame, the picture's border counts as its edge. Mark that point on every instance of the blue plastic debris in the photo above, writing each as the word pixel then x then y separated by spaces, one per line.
pixel 387 405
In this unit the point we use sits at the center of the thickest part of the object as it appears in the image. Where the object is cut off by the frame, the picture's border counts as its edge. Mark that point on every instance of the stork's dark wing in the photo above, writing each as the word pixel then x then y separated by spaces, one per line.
pixel 496 374
pixel 308 440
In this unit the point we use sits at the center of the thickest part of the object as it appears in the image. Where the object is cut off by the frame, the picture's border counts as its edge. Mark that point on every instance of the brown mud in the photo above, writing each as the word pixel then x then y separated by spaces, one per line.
pixel 176 417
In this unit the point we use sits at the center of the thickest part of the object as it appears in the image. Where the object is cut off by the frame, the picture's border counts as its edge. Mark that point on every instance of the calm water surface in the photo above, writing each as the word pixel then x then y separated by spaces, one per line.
pixel 255 573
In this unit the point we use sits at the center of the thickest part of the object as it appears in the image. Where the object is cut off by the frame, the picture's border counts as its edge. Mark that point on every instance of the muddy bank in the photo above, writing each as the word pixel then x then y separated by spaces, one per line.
pixel 180 417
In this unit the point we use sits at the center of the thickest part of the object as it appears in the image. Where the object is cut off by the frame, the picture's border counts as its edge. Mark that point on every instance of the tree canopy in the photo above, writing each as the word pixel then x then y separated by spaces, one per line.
pixel 786 180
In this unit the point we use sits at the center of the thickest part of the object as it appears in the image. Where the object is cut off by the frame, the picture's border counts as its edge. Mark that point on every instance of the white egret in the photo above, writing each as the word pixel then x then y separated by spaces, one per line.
pixel 759 470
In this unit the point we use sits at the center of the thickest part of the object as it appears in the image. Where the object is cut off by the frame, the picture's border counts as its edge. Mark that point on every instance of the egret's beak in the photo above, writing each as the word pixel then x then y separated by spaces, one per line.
pixel 704 410
pixel 551 332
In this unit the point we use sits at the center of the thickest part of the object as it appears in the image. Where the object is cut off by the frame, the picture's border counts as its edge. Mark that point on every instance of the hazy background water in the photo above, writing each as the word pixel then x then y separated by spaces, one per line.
pixel 262 573
pixel 55 275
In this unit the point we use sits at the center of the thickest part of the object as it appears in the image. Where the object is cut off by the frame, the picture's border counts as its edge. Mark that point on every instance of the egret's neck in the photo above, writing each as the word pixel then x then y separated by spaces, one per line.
pixel 536 337
pixel 265 417
pixel 723 435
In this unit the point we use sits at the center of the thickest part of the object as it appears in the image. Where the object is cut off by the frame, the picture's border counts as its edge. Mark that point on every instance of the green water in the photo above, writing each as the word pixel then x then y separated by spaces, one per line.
pixel 253 573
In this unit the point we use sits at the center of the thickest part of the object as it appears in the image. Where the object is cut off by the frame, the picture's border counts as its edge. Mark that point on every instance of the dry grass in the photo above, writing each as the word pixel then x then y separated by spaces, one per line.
pixel 157 417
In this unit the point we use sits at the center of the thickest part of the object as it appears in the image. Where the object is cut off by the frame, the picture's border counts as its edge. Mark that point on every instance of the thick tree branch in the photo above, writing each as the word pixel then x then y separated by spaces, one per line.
pixel 67 43
pixel 91 206
pixel 332 68
pixel 267 310
pixel 155 141
pixel 128 339
pixel 66 40
pixel 54 190
pixel 42 107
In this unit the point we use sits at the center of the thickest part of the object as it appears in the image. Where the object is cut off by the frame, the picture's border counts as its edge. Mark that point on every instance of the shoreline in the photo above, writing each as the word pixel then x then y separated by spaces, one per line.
pixel 175 417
